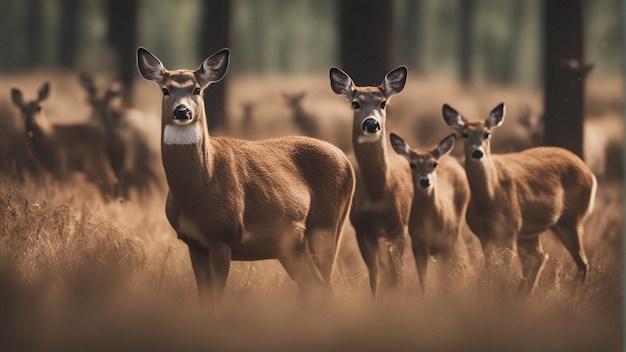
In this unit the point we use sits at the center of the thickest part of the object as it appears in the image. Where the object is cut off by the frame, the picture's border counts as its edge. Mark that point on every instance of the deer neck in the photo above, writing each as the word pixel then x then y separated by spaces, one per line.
pixel 373 162
pixel 482 177
pixel 187 158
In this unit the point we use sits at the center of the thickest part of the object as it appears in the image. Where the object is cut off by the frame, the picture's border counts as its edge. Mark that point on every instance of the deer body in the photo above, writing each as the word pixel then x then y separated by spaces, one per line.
pixel 517 196
pixel 63 149
pixel 131 156
pixel 440 198
pixel 233 199
pixel 384 190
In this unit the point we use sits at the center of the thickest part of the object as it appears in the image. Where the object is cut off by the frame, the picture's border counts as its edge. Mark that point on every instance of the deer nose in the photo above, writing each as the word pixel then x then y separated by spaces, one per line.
pixel 370 125
pixel 477 154
pixel 181 112
pixel 424 182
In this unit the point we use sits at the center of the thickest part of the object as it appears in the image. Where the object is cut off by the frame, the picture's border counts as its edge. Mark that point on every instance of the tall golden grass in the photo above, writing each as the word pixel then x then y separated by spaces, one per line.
pixel 78 273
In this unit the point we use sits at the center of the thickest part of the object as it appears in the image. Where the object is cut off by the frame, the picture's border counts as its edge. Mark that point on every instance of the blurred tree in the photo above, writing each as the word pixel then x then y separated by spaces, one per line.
pixel 34 33
pixel 68 43
pixel 122 36
pixel 564 74
pixel 407 16
pixel 365 39
pixel 215 35
pixel 466 34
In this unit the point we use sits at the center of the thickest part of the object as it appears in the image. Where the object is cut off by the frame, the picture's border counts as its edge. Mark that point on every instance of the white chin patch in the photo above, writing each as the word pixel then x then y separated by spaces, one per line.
pixel 182 134
pixel 368 138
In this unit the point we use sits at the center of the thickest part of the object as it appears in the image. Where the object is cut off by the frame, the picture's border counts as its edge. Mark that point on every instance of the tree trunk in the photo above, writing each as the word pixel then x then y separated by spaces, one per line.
pixel 215 35
pixel 365 39
pixel 34 34
pixel 122 35
pixel 466 34
pixel 68 42
pixel 564 74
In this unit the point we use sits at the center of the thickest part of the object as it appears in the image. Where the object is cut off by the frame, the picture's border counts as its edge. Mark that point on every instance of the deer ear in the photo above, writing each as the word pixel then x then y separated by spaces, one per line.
pixel 87 82
pixel 150 67
pixel 399 145
pixel 16 97
pixel 214 68
pixel 341 83
pixel 496 116
pixel 394 81
pixel 445 146
pixel 452 118
pixel 44 91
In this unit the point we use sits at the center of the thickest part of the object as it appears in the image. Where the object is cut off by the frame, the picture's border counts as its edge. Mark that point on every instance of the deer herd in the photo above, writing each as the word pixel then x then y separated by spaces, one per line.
pixel 287 198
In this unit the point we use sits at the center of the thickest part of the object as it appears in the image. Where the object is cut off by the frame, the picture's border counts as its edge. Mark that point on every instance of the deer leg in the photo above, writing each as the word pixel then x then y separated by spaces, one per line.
pixel 571 236
pixel 219 266
pixel 532 259
pixel 368 246
pixel 301 268
pixel 323 246
pixel 199 256
pixel 420 254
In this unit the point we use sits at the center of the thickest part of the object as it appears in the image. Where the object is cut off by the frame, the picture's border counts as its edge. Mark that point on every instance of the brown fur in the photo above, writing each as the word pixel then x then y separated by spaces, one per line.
pixel 232 199
pixel 384 191
pixel 515 197
pixel 439 205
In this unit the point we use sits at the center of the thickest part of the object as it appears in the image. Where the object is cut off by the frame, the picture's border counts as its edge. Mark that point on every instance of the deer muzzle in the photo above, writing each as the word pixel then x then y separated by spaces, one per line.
pixel 182 114
pixel 477 154
pixel 370 125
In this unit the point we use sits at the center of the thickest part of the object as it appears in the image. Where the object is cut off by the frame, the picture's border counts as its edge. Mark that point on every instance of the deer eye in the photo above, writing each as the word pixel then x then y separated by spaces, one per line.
pixel 165 91
pixel 487 134
pixel 196 91
pixel 412 165
pixel 356 105
pixel 464 134
pixel 435 164
pixel 383 105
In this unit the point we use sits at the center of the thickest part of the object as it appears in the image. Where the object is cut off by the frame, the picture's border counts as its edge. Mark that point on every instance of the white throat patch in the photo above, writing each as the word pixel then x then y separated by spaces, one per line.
pixel 179 135
pixel 368 138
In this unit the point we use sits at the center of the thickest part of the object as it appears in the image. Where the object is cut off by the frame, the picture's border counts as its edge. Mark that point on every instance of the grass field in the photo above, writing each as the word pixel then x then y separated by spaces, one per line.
pixel 78 273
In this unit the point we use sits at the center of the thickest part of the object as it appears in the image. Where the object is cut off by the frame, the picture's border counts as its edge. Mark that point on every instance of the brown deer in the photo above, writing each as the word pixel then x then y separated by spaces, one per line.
pixel 131 156
pixel 440 197
pixel 517 196
pixel 232 199
pixel 65 148
pixel 306 122
pixel 384 190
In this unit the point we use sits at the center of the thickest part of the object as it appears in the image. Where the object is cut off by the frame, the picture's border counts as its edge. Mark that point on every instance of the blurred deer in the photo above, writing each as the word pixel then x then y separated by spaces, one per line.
pixel 248 124
pixel 63 149
pixel 306 122
pixel 132 159
pixel 384 189
pixel 515 197
pixel 440 197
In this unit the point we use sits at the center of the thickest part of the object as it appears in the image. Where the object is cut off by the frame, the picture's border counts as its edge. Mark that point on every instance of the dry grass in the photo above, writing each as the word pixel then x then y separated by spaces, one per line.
pixel 77 273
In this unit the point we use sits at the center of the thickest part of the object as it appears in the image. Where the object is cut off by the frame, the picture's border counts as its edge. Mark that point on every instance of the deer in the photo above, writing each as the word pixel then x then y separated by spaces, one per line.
pixel 248 124
pixel 306 122
pixel 384 188
pixel 515 197
pixel 130 154
pixel 440 198
pixel 62 149
pixel 232 199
